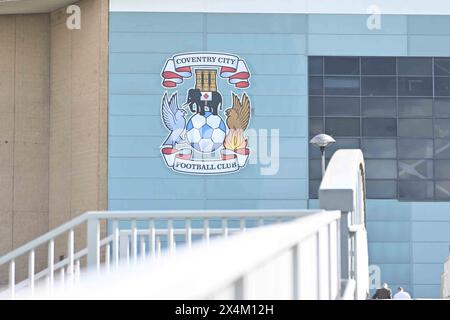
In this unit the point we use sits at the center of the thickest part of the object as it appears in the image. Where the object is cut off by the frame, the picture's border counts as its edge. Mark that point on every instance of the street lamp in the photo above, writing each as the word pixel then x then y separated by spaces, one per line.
pixel 322 141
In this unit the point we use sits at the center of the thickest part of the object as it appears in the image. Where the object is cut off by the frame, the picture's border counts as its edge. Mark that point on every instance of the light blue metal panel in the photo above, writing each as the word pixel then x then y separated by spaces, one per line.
pixel 286 64
pixel 134 146
pixel 137 62
pixel 256 23
pixel 388 231
pixel 430 211
pixel 257 43
pixel 427 291
pixel 218 188
pixel 436 46
pixel 355 24
pixel 395 273
pixel 389 252
pixel 169 43
pixel 239 204
pixel 431 252
pixel 288 126
pixel 137 22
pixel 132 83
pixel 388 210
pixel 137 126
pixel 155 167
pixel 429 273
pixel 280 105
pixel 146 188
pixel 432 25
pixel 430 231
pixel 155 204
pixel 137 104
pixel 294 147
pixel 357 45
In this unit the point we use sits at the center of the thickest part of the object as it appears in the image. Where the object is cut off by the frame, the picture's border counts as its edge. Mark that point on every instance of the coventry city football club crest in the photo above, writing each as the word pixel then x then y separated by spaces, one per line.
pixel 205 136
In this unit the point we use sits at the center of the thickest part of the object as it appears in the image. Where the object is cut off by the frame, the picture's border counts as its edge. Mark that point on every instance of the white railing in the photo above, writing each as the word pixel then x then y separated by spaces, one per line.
pixel 132 234
pixel 343 188
pixel 293 260
pixel 445 280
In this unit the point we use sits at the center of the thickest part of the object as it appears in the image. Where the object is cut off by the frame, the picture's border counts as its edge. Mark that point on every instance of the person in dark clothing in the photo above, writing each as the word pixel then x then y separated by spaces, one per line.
pixel 383 293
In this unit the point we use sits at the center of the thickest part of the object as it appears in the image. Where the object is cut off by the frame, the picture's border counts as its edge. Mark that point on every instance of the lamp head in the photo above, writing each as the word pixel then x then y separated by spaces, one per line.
pixel 322 140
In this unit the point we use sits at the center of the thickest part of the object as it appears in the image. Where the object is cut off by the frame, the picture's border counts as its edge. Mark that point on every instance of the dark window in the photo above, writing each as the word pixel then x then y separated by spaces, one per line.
pixel 381 189
pixel 415 128
pixel 342 127
pixel 315 65
pixel 442 67
pixel 442 190
pixel 442 108
pixel 316 85
pixel 415 86
pixel 315 106
pixel 342 106
pixel 441 149
pixel 442 86
pixel 379 148
pixel 417 190
pixel 341 86
pixel 315 126
pixel 415 107
pixel 415 169
pixel 414 66
pixel 442 168
pixel 442 128
pixel 341 65
pixel 379 86
pixel 381 169
pixel 379 107
pixel 378 66
pixel 314 189
pixel 315 169
pixel 415 148
pixel 342 143
pixel 379 127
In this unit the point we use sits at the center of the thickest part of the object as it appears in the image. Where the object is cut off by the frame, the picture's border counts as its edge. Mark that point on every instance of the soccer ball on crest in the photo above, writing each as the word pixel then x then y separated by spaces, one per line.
pixel 206 133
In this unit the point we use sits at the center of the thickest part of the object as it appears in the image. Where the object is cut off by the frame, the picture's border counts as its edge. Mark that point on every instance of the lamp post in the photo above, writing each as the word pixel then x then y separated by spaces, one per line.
pixel 322 141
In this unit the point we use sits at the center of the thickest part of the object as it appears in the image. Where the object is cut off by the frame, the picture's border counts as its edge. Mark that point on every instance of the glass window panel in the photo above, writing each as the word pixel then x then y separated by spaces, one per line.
pixel 442 128
pixel 442 189
pixel 442 107
pixel 314 152
pixel 314 189
pixel 378 66
pixel 415 107
pixel 379 148
pixel 415 148
pixel 315 169
pixel 415 128
pixel 342 65
pixel 442 86
pixel 342 143
pixel 342 106
pixel 342 127
pixel 379 86
pixel 315 85
pixel 315 106
pixel 381 189
pixel 379 127
pixel 442 168
pixel 414 66
pixel 442 149
pixel 342 86
pixel 315 126
pixel 442 67
pixel 415 86
pixel 415 169
pixel 315 65
pixel 419 190
pixel 379 107
pixel 381 169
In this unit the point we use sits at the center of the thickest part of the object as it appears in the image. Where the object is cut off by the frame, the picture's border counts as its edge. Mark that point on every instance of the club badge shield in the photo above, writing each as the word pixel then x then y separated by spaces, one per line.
pixel 205 136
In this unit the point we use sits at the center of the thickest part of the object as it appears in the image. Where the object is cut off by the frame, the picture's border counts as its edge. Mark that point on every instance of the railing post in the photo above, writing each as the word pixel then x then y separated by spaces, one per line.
pixel 345 247
pixel 93 243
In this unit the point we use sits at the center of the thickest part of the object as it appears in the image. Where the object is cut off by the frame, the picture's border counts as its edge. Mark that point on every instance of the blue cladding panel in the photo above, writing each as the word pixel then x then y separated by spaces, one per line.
pixel 409 241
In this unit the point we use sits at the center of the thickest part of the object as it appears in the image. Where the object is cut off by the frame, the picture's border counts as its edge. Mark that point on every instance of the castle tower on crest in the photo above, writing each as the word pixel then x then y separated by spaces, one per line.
pixel 206 79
